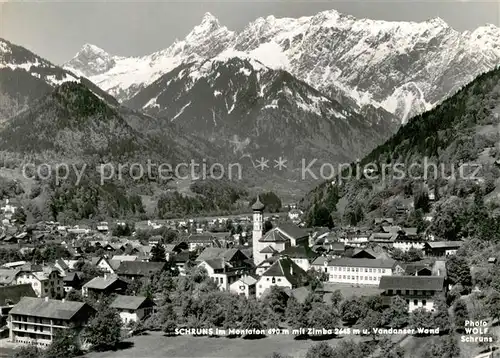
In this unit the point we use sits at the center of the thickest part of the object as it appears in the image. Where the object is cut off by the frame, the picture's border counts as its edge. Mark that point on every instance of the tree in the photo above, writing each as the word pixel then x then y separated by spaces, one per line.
pixel 459 272
pixel 320 350
pixel 30 351
pixel 276 300
pixel 390 350
pixel 441 317
pixel 413 255
pixel 397 314
pixel 444 347
pixel 322 217
pixel 421 318
pixel 63 345
pixel 352 309
pixel 461 314
pixel 74 295
pixel 295 314
pixel 322 317
pixel 104 330
pixel 158 253
pixel 336 299
pixel 267 226
pixel 372 320
pixel 493 304
pixel 251 319
pixel 19 216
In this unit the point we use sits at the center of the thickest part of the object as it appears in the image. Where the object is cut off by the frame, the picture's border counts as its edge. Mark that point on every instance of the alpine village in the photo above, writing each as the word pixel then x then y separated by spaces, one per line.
pixel 267 265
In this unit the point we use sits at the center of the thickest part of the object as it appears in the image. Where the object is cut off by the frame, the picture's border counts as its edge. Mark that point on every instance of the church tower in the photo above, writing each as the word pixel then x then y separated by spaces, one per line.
pixel 258 209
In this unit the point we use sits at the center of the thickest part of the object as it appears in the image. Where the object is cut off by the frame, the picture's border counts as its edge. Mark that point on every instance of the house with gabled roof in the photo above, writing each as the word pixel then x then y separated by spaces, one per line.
pixel 418 291
pixel 73 281
pixel 45 280
pixel 106 285
pixel 303 256
pixel 283 273
pixel 224 266
pixel 105 265
pixel 133 308
pixel 36 320
pixel 245 286
pixel 442 248
pixel 139 269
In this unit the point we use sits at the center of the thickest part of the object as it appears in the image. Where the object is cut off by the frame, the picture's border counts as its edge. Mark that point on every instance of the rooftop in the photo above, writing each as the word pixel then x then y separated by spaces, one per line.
pixel 428 283
pixel 131 302
pixel 39 307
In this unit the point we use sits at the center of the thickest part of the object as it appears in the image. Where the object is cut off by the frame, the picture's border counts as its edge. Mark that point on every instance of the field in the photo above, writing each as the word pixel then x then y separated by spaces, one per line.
pixel 156 345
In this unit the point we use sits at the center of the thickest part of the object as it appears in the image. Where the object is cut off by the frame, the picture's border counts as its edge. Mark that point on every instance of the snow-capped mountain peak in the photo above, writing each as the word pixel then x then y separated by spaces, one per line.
pixel 402 67
pixel 91 60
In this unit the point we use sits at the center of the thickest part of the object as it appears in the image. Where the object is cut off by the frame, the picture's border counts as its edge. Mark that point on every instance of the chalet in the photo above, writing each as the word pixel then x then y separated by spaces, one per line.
pixel 408 238
pixel 133 308
pixel 35 320
pixel 245 286
pixel 106 265
pixel 355 271
pixel 139 269
pixel 284 273
pixel 106 286
pixel 418 291
pixel 441 248
pixel 224 266
pixel 181 261
pixel 73 280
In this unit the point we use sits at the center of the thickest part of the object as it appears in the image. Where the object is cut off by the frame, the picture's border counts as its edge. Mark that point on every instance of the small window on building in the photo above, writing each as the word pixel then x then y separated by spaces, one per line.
pixel 415 302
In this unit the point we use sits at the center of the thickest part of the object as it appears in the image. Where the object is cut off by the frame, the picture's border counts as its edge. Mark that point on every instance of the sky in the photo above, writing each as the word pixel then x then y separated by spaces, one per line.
pixel 56 30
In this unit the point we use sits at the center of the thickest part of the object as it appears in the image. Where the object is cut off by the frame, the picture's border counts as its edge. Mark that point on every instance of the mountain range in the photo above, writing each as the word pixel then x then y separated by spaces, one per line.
pixel 451 152
pixel 403 68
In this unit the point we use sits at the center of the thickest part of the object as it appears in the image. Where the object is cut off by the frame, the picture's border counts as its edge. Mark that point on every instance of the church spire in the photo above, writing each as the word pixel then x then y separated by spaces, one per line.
pixel 258 206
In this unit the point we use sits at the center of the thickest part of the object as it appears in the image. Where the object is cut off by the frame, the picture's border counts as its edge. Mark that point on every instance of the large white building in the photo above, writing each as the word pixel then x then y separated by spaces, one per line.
pixel 36 320
pixel 354 271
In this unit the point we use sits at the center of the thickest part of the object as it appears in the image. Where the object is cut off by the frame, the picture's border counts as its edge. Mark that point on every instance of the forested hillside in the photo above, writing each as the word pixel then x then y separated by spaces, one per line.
pixel 461 137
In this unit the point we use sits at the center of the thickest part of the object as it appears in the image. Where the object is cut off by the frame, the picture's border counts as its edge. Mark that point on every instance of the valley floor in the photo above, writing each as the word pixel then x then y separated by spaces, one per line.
pixel 156 345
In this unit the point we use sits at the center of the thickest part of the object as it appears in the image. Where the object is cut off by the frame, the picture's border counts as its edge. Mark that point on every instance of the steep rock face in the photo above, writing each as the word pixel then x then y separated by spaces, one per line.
pixel 402 67
pixel 247 109
pixel 123 77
